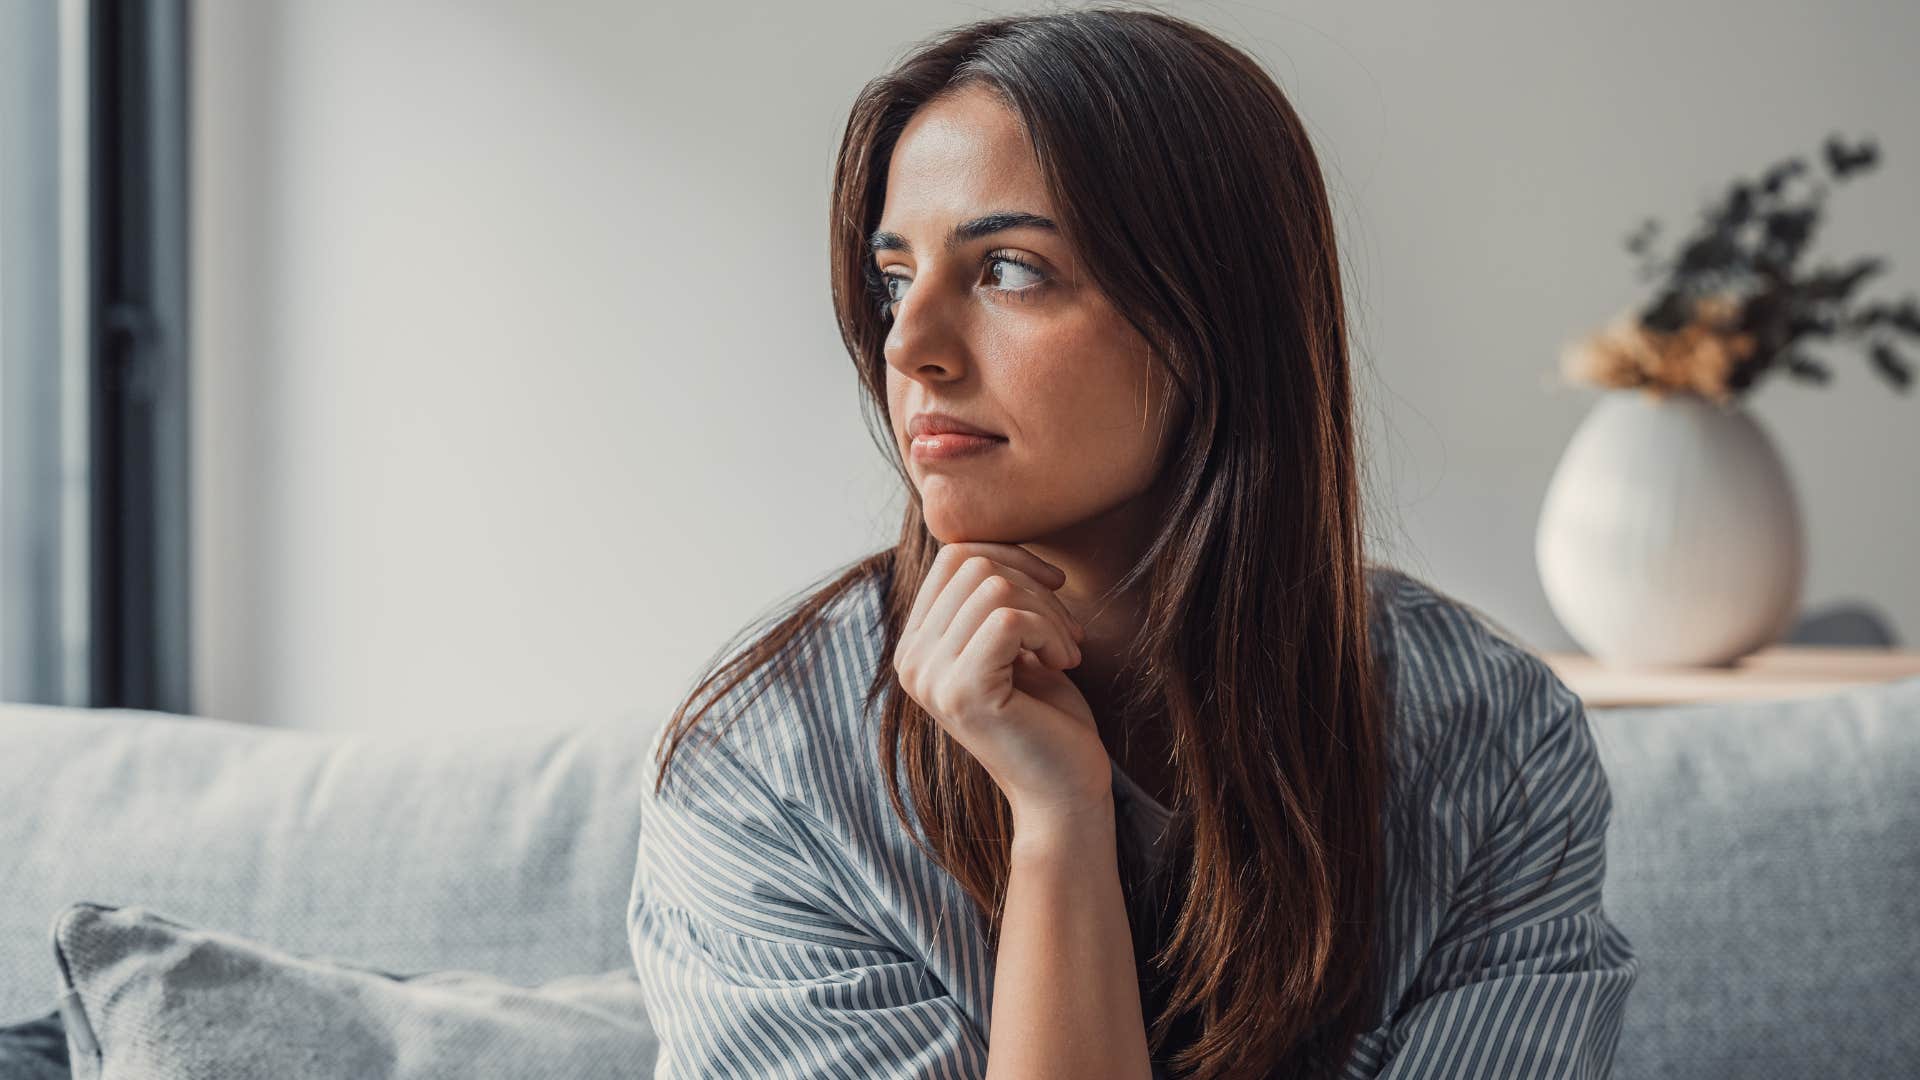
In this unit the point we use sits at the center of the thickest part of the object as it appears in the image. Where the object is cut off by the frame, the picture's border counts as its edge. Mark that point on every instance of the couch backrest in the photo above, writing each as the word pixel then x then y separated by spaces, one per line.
pixel 1764 859
pixel 508 851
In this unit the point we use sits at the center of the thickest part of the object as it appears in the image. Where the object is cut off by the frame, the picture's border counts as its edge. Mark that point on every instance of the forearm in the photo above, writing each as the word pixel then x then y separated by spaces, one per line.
pixel 1066 999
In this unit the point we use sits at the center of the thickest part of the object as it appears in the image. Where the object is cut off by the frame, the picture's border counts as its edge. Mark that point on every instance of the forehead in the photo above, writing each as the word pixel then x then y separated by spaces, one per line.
pixel 959 156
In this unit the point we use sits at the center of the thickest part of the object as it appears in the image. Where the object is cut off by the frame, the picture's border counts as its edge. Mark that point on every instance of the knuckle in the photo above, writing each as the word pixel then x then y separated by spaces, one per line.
pixel 939 702
pixel 977 564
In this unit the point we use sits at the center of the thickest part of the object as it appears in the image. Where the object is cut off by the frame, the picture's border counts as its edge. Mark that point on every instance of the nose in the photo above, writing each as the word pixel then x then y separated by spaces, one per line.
pixel 924 338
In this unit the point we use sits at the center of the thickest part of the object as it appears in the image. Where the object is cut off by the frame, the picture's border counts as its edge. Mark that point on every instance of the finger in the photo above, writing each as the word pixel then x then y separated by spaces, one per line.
pixel 1016 556
pixel 974 562
pixel 975 573
pixel 1047 599
pixel 1056 647
pixel 951 556
pixel 1006 634
pixel 945 562
pixel 962 582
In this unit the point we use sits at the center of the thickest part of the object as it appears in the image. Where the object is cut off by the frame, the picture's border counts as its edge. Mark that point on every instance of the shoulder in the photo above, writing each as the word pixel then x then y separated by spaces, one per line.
pixel 745 830
pixel 790 723
pixel 1466 699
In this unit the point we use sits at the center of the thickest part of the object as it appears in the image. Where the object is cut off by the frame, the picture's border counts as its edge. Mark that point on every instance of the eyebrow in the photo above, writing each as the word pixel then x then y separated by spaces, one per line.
pixel 967 230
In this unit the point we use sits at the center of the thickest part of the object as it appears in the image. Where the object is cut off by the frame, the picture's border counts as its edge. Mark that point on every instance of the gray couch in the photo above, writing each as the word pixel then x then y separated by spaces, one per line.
pixel 1763 859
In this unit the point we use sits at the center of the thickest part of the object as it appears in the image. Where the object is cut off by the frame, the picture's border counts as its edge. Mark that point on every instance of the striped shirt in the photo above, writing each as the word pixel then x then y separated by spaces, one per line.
pixel 784 924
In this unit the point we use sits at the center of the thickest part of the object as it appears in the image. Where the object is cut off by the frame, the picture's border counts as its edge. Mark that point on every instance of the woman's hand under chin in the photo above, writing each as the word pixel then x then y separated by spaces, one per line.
pixel 985 652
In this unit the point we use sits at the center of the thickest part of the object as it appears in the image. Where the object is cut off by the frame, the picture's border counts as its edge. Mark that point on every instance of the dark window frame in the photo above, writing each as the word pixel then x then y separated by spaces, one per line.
pixel 139 554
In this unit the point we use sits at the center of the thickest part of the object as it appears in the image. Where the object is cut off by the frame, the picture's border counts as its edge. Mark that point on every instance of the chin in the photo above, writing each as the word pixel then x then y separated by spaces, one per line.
pixel 951 528
pixel 948 534
pixel 998 524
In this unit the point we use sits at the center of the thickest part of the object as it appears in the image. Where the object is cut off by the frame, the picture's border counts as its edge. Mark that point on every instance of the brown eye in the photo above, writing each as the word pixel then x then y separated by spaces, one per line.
pixel 880 284
pixel 1027 270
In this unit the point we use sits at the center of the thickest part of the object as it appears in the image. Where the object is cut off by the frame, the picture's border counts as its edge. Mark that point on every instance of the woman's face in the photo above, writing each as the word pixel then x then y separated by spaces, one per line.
pixel 1006 331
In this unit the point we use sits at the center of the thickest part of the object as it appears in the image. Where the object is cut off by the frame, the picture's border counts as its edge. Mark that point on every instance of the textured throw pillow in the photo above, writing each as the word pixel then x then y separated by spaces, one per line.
pixel 146 996
pixel 34 1049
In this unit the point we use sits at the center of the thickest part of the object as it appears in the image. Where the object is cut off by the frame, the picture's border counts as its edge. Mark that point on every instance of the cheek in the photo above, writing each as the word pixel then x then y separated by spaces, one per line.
pixel 896 404
pixel 1097 399
pixel 1059 377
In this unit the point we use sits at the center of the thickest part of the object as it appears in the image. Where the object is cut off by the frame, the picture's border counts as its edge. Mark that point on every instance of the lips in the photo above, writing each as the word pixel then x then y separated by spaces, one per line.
pixel 948 446
pixel 928 424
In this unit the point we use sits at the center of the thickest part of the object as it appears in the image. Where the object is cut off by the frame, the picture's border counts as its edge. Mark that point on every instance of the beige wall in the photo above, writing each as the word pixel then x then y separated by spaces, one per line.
pixel 518 389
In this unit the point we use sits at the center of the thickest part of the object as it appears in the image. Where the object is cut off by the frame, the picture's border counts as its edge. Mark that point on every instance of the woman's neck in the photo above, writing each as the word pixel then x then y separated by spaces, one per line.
pixel 1095 554
pixel 1138 740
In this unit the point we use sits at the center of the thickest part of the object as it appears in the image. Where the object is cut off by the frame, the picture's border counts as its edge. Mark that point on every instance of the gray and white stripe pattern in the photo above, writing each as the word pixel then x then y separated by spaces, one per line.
pixel 783 924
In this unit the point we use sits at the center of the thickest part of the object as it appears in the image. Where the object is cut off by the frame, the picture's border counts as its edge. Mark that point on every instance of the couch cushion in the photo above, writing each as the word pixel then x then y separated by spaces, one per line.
pixel 34 1049
pixel 149 997
pixel 1764 859
pixel 508 851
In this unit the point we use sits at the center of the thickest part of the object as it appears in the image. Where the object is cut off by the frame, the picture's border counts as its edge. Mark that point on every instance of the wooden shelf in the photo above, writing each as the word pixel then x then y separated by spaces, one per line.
pixel 1779 671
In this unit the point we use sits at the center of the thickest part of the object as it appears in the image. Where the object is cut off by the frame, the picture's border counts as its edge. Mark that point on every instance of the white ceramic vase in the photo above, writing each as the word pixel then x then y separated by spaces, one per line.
pixel 1670 534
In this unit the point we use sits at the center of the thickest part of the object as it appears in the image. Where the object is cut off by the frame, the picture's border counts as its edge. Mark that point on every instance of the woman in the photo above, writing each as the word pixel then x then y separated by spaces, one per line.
pixel 1124 752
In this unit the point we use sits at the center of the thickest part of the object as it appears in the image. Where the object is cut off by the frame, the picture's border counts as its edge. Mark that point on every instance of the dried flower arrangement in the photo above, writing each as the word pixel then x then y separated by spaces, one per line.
pixel 1733 306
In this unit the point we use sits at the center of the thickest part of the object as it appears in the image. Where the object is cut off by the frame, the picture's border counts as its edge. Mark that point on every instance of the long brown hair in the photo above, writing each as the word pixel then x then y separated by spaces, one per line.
pixel 1187 186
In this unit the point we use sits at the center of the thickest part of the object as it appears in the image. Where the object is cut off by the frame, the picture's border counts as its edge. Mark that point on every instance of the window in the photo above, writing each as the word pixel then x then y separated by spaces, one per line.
pixel 93 336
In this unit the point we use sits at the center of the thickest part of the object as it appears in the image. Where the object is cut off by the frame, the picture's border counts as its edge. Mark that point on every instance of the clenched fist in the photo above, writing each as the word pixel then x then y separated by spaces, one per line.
pixel 985 651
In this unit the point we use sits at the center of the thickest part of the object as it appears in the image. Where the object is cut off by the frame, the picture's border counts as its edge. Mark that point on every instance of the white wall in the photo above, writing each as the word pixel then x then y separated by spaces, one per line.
pixel 518 387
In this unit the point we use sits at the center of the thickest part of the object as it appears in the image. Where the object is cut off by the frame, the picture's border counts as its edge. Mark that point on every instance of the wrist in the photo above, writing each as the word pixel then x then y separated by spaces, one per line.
pixel 1069 829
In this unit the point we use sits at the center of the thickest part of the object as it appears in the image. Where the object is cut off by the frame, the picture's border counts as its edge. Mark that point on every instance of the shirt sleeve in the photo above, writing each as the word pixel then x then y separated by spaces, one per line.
pixel 1538 992
pixel 753 964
